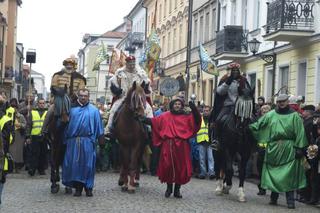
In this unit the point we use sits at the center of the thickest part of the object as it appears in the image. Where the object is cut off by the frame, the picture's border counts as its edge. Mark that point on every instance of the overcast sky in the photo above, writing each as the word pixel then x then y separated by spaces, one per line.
pixel 55 28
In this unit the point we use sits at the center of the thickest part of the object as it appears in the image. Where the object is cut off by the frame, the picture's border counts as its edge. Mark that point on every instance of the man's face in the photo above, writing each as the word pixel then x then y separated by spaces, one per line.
pixel 177 106
pixel 206 112
pixel 260 102
pixel 83 97
pixel 306 114
pixel 30 98
pixel 3 97
pixel 130 66
pixel 282 104
pixel 41 104
pixel 69 66
pixel 235 74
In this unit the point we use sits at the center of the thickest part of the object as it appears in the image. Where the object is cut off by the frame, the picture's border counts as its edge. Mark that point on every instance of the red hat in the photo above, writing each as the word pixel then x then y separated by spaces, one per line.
pixel 130 58
pixel 233 66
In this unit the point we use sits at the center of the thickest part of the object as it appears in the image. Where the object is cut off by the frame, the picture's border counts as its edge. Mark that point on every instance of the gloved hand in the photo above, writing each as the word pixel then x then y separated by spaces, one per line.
pixel 192 105
pixel 195 112
pixel 299 153
pixel 115 90
pixel 229 80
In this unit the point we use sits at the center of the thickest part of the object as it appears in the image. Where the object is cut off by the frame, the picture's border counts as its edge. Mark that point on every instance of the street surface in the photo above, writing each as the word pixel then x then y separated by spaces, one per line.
pixel 25 194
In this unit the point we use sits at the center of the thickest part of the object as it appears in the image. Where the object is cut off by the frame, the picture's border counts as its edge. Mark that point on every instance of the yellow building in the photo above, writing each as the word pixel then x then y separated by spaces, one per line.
pixel 8 36
pixel 172 26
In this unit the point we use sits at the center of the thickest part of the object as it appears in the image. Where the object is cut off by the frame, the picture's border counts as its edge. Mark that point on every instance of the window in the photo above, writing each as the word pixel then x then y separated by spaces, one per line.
pixel 213 30
pixel 168 44
pixel 110 48
pixel 207 28
pixel 252 77
pixel 223 16
pixel 284 79
pixel 257 14
pixel 163 43
pixel 201 30
pixel 301 79
pixel 195 33
pixel 165 9
pixel 160 13
pixel 180 36
pixel 245 13
pixel 174 45
pixel 268 83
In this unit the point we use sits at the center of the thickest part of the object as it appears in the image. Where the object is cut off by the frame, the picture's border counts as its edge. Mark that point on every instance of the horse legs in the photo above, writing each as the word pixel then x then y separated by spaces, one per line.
pixel 123 180
pixel 242 175
pixel 228 172
pixel 54 173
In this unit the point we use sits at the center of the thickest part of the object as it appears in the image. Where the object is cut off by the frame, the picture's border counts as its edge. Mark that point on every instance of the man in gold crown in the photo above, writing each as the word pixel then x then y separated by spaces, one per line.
pixel 64 87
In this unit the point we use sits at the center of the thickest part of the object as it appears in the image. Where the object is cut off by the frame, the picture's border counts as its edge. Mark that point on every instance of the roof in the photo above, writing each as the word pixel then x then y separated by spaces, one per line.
pixel 139 4
pixel 111 34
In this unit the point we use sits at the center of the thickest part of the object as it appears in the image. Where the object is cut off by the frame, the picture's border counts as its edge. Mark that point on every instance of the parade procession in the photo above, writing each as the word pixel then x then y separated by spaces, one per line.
pixel 160 106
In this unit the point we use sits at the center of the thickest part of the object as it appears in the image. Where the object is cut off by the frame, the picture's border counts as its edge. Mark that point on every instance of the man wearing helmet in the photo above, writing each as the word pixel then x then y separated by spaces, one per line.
pixel 120 84
pixel 64 87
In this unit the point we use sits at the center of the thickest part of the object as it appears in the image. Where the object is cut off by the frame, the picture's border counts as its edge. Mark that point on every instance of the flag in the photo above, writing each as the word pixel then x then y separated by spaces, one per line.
pixel 100 57
pixel 207 64
pixel 122 61
pixel 114 62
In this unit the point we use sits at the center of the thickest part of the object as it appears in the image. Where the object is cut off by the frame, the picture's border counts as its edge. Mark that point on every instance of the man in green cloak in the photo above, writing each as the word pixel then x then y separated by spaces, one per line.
pixel 283 131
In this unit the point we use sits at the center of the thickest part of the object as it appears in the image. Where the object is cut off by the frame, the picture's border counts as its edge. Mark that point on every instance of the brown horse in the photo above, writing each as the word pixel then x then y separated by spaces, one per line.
pixel 131 135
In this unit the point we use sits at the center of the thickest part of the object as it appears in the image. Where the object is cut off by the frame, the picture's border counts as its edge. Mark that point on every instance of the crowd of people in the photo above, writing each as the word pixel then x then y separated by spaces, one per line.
pixel 182 141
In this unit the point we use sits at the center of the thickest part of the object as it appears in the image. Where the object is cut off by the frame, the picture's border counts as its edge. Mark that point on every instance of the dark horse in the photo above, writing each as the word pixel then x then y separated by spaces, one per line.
pixel 236 139
pixel 131 135
pixel 55 138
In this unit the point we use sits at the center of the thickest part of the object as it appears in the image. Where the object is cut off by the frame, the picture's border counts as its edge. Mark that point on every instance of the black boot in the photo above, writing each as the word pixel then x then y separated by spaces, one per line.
pixel 261 191
pixel 274 198
pixel 79 188
pixel 177 193
pixel 169 190
pixel 290 200
pixel 88 192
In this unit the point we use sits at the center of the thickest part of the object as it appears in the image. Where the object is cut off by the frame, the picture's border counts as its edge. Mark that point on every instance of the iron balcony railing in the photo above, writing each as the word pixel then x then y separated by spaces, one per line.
pixel 290 15
pixel 231 39
pixel 134 40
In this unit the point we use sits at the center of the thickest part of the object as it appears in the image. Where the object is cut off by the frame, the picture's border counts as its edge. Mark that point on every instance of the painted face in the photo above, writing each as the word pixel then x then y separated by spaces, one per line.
pixel 130 66
pixel 235 74
pixel 83 97
pixel 177 106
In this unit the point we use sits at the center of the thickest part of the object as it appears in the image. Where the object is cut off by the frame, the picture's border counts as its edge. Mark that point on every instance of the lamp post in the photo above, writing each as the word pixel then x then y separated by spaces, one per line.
pixel 31 59
pixel 254 45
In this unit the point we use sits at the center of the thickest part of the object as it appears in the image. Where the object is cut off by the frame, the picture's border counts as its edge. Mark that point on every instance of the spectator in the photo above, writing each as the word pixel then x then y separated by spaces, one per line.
pixel 205 151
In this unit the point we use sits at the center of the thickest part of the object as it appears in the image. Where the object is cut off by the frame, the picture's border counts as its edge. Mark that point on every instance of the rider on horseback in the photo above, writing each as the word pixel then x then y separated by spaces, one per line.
pixel 225 99
pixel 64 87
pixel 121 82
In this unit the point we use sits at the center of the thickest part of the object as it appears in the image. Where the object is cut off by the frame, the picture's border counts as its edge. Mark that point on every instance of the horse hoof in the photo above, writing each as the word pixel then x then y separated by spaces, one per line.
pixel 131 191
pixel 136 184
pixel 241 195
pixel 219 188
pixel 226 189
pixel 55 188
pixel 124 188
pixel 120 182
pixel 68 190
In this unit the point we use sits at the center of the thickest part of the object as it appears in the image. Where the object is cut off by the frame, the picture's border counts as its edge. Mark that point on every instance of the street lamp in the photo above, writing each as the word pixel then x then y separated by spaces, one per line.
pixel 254 45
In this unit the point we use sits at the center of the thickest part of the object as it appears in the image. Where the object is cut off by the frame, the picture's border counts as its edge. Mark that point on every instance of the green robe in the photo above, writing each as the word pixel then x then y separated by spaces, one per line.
pixel 281 172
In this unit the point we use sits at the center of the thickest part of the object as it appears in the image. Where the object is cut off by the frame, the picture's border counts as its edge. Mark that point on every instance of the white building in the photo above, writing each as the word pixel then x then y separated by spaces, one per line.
pixel 97 80
pixel 39 84
pixel 133 42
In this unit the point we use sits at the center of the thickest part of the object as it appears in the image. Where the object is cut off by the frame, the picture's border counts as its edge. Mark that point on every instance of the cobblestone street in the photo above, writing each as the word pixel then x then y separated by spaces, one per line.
pixel 23 194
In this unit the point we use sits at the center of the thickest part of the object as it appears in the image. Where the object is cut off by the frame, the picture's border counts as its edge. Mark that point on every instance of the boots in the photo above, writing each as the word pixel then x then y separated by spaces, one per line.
pixel 177 193
pixel 274 198
pixel 169 190
pixel 261 190
pixel 79 188
pixel 88 192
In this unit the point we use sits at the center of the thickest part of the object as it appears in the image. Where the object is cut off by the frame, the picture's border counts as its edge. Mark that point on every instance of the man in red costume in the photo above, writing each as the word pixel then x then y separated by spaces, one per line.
pixel 172 130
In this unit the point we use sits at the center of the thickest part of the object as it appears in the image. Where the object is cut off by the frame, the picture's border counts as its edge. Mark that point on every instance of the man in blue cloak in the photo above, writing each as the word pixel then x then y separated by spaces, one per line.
pixel 83 131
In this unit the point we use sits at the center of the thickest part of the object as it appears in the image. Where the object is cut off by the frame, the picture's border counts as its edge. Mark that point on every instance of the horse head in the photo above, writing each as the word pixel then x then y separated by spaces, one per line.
pixel 136 98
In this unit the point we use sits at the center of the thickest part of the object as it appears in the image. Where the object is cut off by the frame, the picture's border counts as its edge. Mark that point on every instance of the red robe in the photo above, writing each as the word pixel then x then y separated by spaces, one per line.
pixel 172 132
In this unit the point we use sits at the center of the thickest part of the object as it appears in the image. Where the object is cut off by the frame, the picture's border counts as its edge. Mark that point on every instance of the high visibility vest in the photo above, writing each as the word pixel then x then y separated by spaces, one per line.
pixel 37 122
pixel 202 134
pixel 3 121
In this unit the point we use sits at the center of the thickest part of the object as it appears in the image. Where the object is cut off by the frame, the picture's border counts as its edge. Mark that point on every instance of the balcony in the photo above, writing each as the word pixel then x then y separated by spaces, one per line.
pixel 134 41
pixel 289 20
pixel 231 43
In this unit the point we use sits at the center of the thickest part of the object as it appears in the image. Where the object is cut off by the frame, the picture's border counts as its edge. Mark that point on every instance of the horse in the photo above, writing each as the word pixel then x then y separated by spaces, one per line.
pixel 236 139
pixel 57 151
pixel 131 134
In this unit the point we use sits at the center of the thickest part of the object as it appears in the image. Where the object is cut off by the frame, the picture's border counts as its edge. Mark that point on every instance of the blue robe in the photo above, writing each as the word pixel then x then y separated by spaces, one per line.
pixel 80 137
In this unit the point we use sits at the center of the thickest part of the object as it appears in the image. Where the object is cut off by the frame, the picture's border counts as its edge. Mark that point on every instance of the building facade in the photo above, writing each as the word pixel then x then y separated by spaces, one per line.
pixel 38 81
pixel 8 36
pixel 97 80
pixel 171 23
